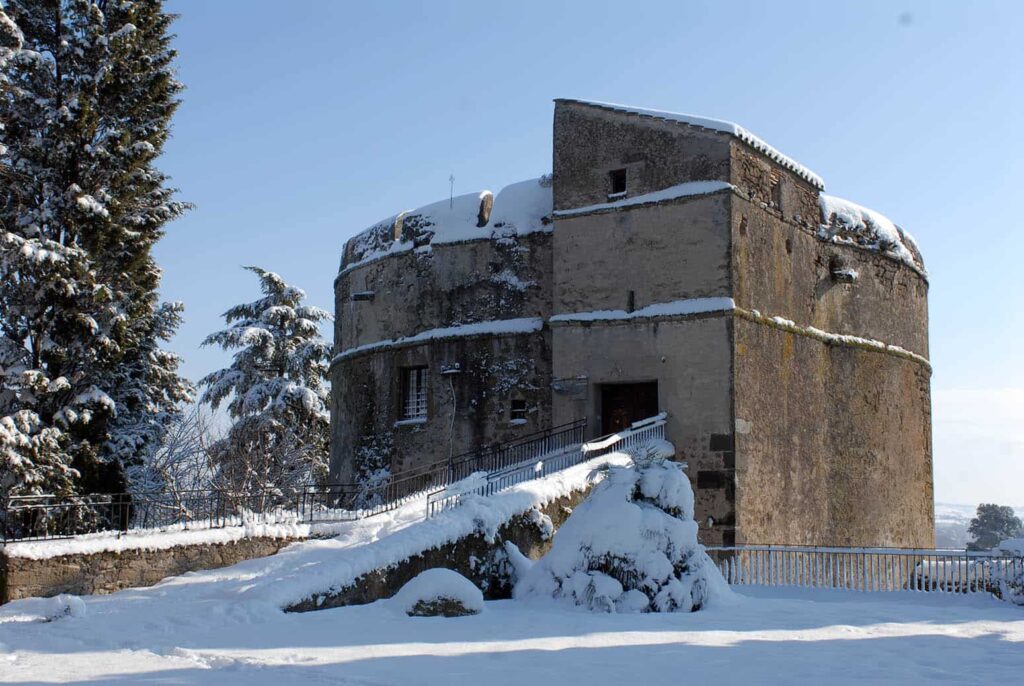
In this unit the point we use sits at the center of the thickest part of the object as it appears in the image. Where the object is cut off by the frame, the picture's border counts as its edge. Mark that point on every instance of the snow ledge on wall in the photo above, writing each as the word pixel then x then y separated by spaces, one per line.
pixel 674 308
pixel 492 328
pixel 683 190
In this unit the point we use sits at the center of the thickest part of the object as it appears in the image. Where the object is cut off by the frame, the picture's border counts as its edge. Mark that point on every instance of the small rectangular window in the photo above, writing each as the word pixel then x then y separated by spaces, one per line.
pixel 618 181
pixel 776 192
pixel 517 411
pixel 414 393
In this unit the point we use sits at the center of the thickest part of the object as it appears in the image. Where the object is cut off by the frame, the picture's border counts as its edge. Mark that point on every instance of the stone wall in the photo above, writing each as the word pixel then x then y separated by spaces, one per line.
pixel 833 443
pixel 442 285
pixel 366 398
pixel 478 557
pixel 691 359
pixel 451 283
pixel 660 253
pixel 107 572
pixel 590 142
pixel 782 269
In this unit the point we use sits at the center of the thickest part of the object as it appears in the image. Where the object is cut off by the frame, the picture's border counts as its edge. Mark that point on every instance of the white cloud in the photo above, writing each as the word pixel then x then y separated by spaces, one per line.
pixel 979 445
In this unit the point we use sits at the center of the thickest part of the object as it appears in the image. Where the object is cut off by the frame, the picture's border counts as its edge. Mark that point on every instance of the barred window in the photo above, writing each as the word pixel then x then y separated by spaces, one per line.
pixel 414 393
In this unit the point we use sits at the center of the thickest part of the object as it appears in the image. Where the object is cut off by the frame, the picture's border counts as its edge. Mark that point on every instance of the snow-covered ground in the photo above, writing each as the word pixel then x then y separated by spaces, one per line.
pixel 793 637
pixel 226 626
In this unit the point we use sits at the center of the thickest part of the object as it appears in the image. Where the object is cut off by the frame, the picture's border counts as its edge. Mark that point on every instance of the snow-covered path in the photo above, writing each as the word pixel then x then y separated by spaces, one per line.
pixel 783 637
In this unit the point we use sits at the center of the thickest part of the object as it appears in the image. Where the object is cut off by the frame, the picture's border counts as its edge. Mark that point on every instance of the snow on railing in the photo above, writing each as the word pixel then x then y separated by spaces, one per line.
pixel 868 569
pixel 639 433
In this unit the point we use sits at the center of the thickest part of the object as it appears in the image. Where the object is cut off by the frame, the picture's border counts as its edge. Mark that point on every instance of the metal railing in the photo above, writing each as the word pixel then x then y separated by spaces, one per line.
pixel 47 517
pixel 529 447
pixel 489 483
pixel 868 569
pixel 638 433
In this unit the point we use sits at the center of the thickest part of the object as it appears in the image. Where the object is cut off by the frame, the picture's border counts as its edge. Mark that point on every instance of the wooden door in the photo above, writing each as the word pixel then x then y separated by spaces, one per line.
pixel 625 403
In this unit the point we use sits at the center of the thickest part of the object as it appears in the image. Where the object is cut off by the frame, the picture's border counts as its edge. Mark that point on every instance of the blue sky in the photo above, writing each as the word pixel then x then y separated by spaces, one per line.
pixel 305 122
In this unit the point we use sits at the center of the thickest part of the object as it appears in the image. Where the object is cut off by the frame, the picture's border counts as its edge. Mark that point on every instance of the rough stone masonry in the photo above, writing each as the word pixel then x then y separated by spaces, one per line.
pixel 669 263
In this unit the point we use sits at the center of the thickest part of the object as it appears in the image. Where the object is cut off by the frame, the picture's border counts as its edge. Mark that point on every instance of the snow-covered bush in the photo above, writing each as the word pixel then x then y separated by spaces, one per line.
pixel 439 592
pixel 631 546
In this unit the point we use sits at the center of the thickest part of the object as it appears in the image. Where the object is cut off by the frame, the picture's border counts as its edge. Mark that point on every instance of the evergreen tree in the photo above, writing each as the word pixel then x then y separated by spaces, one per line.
pixel 276 391
pixel 991 525
pixel 86 106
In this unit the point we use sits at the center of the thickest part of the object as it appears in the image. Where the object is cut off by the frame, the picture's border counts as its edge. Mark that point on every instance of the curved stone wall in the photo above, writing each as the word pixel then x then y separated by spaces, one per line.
pixel 432 288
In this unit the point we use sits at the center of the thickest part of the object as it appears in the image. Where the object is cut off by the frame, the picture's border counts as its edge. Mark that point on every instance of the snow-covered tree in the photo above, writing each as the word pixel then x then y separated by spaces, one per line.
pixel 991 524
pixel 86 105
pixel 631 546
pixel 275 391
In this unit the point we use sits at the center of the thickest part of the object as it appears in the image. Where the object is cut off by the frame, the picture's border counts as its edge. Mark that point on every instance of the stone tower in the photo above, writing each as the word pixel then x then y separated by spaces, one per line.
pixel 670 263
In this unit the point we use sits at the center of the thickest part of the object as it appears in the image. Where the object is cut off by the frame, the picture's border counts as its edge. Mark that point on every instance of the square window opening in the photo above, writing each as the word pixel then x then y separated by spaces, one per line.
pixel 618 181
pixel 518 410
pixel 414 393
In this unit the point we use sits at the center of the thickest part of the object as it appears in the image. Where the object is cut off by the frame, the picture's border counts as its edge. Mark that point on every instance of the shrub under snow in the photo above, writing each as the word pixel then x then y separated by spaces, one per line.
pixel 631 546
pixel 439 592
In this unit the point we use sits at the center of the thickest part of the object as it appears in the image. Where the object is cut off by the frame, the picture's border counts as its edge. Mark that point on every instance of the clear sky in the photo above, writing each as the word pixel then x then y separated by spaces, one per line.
pixel 305 122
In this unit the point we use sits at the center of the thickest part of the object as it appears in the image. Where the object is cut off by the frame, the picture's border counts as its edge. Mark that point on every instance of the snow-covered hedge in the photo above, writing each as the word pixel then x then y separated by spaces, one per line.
pixel 439 592
pixel 630 547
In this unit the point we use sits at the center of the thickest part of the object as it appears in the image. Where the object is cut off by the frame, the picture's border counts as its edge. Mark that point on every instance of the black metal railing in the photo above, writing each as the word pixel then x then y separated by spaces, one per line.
pixel 47 517
pixel 324 501
pixel 638 434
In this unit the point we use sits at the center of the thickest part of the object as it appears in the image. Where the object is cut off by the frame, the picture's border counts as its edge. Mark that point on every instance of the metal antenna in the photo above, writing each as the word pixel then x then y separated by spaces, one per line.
pixel 451 191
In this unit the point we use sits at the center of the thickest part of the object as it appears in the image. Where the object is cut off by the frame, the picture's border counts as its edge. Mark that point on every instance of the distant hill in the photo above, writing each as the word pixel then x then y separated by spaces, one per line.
pixel 951 522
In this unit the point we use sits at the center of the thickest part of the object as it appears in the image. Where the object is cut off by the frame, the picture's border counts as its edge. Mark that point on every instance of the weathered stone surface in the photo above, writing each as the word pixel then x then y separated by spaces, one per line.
pixel 107 572
pixel 832 437
pixel 589 143
pixel 471 281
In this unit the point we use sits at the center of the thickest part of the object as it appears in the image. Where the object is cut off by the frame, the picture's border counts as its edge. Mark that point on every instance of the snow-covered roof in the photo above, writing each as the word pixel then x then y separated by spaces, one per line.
pixel 518 209
pixel 714 125
pixel 843 221
pixel 683 190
